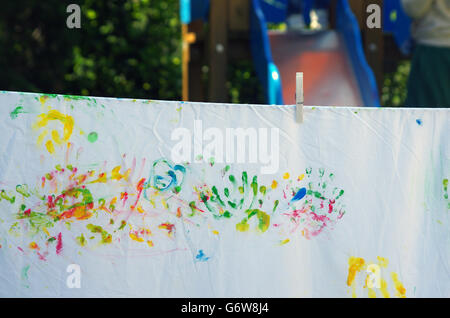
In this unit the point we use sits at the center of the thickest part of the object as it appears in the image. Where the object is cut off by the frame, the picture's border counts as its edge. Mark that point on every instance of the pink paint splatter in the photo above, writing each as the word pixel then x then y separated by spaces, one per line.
pixel 59 245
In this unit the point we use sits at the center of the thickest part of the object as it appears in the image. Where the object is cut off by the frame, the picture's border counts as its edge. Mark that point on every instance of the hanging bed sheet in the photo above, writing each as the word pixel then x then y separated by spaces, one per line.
pixel 119 197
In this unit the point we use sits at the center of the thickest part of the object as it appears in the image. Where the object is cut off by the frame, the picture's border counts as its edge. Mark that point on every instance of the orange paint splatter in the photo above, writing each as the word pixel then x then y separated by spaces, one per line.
pixel 33 246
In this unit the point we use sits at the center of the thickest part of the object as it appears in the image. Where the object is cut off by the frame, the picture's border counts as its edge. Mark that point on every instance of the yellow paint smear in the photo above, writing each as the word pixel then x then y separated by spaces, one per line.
pixel 372 293
pixel 101 178
pixel 41 137
pixel 49 146
pixel 66 120
pixel 382 261
pixel 355 265
pixel 384 288
pixel 401 291
pixel 136 238
pixel 285 241
pixel 55 137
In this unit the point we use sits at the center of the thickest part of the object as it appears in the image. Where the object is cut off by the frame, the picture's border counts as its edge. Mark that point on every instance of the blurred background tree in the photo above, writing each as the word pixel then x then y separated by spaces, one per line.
pixel 126 48
pixel 395 85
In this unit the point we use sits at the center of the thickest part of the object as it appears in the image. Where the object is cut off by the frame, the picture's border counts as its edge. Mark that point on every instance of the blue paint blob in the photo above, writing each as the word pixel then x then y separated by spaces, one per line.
pixel 299 195
pixel 201 257
pixel 419 122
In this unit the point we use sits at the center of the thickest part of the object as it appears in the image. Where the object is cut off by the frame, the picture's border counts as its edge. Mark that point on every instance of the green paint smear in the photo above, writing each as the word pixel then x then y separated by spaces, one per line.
pixel 316 194
pixel 254 186
pixel 92 137
pixel 122 224
pixel 263 219
pixel 232 204
pixel 3 195
pixel 18 110
pixel 37 220
pixel 81 240
pixel 23 190
pixel 244 178
pixel 25 275
pixel 216 193
pixel 275 205
pixel 227 214
pixel 445 184
pixel 263 190
pixel 106 237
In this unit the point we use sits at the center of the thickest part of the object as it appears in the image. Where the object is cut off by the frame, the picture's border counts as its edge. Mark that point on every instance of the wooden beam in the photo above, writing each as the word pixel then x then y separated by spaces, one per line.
pixel 218 50
pixel 374 45
pixel 359 10
pixel 239 15
pixel 196 54
pixel 185 63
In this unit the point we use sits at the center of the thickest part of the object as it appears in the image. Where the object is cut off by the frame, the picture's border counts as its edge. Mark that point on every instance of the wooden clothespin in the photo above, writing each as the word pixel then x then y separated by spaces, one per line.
pixel 299 97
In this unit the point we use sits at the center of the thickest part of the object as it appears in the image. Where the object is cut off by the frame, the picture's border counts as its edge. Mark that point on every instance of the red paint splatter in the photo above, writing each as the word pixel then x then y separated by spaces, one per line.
pixel 41 257
pixel 59 246
pixel 167 226
pixel 330 206
pixel 139 187
pixel 124 197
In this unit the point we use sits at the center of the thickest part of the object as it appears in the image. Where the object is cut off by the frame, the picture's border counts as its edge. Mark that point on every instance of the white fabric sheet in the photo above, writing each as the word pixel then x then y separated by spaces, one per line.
pixel 102 194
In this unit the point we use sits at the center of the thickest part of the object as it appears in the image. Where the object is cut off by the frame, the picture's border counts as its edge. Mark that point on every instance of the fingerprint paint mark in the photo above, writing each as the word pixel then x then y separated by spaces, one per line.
pixel 92 137
pixel 18 110
pixel 299 195
pixel 201 257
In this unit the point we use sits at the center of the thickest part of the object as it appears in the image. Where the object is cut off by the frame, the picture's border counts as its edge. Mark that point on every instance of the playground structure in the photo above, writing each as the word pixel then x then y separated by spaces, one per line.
pixel 342 65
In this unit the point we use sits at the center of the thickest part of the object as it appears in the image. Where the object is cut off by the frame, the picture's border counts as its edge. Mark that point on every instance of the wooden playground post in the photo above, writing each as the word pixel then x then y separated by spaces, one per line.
pixel 374 46
pixel 187 39
pixel 218 50
pixel 222 39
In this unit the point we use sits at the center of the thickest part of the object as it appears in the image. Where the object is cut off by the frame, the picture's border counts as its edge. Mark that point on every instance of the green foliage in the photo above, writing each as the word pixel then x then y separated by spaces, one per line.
pixel 128 48
pixel 395 85
pixel 243 84
pixel 277 26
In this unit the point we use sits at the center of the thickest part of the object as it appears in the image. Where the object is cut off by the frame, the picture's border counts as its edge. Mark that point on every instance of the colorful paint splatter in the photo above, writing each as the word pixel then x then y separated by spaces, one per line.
pixel 93 180
pixel 147 200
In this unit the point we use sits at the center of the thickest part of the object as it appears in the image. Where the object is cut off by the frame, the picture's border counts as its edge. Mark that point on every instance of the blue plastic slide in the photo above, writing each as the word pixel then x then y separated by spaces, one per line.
pixel 333 61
